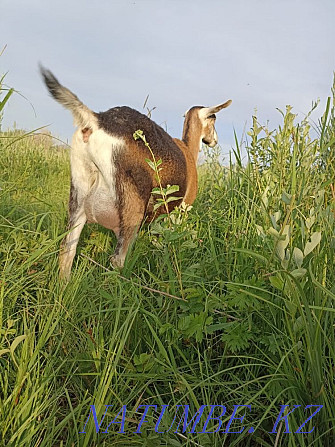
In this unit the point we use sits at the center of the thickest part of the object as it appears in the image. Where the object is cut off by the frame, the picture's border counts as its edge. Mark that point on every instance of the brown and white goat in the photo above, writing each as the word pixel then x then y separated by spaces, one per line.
pixel 111 181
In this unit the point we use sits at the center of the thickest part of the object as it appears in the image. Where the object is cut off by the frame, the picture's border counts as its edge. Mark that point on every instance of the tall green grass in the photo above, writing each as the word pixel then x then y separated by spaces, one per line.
pixel 232 305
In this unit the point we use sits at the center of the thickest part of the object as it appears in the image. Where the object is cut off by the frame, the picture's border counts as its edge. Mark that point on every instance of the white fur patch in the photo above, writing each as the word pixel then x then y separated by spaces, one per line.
pixel 94 175
pixel 101 149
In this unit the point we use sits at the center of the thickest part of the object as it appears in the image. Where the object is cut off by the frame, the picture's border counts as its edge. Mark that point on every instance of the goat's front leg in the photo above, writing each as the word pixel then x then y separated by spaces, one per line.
pixel 77 220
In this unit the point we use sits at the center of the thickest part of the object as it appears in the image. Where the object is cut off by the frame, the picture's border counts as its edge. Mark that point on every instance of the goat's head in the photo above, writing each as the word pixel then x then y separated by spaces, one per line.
pixel 206 117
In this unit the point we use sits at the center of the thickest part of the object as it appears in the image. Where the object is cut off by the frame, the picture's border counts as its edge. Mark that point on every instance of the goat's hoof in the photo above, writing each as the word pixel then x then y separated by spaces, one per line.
pixel 64 279
pixel 117 262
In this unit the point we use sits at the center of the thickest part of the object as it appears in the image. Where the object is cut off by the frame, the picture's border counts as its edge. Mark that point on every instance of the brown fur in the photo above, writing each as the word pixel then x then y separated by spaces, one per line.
pixel 122 201
pixel 132 164
pixel 131 212
pixel 190 146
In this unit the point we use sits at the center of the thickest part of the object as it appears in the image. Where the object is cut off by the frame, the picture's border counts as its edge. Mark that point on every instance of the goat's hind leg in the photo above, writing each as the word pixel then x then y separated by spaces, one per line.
pixel 77 220
pixel 131 217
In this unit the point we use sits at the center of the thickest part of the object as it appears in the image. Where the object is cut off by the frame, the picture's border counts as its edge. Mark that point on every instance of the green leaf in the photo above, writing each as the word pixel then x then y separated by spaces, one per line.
pixel 216 327
pixel 170 236
pixel 195 325
pixel 299 324
pixel 151 164
pixel 292 307
pixel 156 191
pixel 237 336
pixel 6 98
pixel 309 222
pixel 275 218
pixel 172 199
pixel 298 256
pixel 315 240
pixel 274 233
pixel 286 198
pixel 171 189
pixel 16 342
pixel 4 351
pixel 298 273
pixel 260 230
pixel 276 282
pixel 282 243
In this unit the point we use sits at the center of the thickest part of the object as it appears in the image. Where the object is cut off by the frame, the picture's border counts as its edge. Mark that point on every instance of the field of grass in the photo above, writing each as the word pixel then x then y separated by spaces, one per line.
pixel 229 303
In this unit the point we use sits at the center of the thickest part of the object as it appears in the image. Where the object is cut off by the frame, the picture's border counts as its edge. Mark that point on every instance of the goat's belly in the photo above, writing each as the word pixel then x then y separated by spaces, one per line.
pixel 100 208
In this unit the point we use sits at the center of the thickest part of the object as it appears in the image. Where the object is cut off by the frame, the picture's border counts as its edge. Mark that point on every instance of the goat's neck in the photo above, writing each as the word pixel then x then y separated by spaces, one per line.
pixel 192 135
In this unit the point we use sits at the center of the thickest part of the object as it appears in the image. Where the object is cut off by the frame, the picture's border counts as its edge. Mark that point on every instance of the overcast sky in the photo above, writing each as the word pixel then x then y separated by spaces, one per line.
pixel 262 54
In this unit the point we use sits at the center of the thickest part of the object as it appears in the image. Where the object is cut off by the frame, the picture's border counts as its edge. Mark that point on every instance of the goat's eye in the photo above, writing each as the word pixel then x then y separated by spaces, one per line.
pixel 212 116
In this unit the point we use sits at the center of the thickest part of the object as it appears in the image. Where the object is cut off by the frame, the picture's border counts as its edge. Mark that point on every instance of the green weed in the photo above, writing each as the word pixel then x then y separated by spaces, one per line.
pixel 246 313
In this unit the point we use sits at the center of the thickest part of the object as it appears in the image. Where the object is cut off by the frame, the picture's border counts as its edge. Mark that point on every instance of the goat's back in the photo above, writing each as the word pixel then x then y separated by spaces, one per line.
pixel 123 122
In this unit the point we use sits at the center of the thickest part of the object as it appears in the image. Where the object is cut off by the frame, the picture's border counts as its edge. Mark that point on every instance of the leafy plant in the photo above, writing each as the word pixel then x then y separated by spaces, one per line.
pixel 229 302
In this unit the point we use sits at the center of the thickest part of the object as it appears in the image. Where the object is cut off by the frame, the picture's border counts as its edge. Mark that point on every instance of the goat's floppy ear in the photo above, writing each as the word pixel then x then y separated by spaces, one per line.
pixel 215 109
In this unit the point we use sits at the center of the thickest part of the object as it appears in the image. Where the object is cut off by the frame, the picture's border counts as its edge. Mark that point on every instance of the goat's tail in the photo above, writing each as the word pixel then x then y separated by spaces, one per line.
pixel 82 115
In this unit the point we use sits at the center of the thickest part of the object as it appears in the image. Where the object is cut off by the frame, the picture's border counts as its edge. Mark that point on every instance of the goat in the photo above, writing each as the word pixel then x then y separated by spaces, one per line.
pixel 111 181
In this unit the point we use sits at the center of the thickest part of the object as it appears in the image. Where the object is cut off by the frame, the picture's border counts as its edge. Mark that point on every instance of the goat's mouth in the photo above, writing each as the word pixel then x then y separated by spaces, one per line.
pixel 212 143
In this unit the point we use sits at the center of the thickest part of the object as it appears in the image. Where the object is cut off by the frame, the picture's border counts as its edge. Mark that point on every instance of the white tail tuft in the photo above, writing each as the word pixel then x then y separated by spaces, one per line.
pixel 83 116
